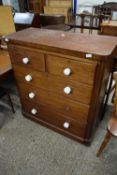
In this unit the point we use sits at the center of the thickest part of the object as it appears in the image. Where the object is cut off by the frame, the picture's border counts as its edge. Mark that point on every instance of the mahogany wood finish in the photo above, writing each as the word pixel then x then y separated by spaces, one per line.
pixel 76 111
pixel 37 61
pixel 57 119
pixel 56 85
pixel 56 65
pixel 68 107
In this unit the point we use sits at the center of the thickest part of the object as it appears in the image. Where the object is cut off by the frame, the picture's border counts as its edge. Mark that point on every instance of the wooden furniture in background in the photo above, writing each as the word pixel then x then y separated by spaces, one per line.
pixel 46 20
pixel 112 124
pixel 106 8
pixel 5 70
pixel 25 20
pixel 55 22
pixel 5 64
pixel 6 21
pixel 56 68
pixel 6 27
pixel 86 21
pixel 36 6
pixel 109 28
pixel 55 7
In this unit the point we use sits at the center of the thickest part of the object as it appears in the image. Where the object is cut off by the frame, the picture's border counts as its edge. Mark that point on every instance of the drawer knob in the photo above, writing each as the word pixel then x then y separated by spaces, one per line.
pixel 34 111
pixel 66 125
pixel 67 90
pixel 31 95
pixel 67 71
pixel 25 60
pixel 28 78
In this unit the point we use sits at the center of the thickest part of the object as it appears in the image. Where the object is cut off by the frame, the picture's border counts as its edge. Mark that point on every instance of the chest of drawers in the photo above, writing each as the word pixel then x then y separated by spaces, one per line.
pixel 62 78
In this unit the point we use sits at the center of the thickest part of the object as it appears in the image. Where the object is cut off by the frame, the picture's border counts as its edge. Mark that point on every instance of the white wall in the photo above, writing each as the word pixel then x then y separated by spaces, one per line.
pixel 13 3
pixel 87 4
pixel 6 2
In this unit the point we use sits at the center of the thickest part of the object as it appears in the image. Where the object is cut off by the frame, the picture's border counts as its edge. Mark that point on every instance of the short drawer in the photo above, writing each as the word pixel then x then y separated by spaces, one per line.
pixel 70 108
pixel 56 120
pixel 60 86
pixel 73 70
pixel 27 57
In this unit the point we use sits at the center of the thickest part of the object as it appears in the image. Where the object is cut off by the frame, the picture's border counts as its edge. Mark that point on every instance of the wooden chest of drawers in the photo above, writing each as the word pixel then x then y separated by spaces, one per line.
pixel 109 28
pixel 62 78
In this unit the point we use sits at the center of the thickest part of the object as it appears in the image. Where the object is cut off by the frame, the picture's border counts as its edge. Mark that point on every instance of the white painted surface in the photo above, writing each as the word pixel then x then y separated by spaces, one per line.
pixel 86 5
pixel 13 3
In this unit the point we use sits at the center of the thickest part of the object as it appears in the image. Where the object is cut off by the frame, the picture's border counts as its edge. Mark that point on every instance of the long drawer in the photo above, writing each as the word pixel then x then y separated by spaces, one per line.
pixel 55 120
pixel 61 86
pixel 78 71
pixel 72 109
pixel 27 57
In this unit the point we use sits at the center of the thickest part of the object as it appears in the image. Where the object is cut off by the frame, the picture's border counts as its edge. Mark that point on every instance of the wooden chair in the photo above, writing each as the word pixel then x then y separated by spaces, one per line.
pixel 112 124
pixel 85 21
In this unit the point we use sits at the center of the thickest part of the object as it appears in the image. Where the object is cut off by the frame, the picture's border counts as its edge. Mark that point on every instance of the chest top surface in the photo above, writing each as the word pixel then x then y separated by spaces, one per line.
pixel 53 40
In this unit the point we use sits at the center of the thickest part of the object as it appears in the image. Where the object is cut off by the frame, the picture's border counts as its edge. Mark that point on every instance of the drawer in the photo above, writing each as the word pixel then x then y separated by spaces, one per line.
pixel 70 108
pixel 27 57
pixel 60 86
pixel 54 119
pixel 73 70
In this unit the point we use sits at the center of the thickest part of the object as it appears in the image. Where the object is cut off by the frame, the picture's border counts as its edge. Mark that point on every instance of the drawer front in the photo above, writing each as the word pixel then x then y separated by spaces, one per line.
pixel 72 109
pixel 63 87
pixel 57 120
pixel 27 57
pixel 75 70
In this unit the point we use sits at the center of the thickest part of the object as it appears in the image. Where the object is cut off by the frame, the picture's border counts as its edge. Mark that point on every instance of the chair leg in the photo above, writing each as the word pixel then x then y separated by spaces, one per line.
pixel 104 143
pixel 10 101
pixel 107 96
pixel 112 100
pixel 74 29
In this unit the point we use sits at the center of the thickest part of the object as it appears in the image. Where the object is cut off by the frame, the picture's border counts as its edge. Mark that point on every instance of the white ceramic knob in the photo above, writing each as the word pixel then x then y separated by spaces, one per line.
pixel 66 125
pixel 34 111
pixel 6 40
pixel 67 90
pixel 25 60
pixel 28 78
pixel 67 71
pixel 31 95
